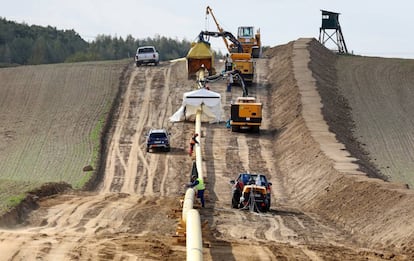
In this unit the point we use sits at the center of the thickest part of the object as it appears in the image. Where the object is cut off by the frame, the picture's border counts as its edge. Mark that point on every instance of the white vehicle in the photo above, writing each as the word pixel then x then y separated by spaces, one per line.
pixel 147 55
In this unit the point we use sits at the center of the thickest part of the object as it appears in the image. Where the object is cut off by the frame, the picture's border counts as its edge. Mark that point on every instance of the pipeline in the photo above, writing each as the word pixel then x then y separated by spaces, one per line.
pixel 190 216
pixel 199 160
pixel 194 242
pixel 188 203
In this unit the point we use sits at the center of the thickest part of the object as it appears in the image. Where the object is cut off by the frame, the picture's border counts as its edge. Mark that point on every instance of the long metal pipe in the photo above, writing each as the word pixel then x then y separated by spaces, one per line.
pixel 199 161
pixel 190 216
pixel 201 77
pixel 188 203
pixel 194 242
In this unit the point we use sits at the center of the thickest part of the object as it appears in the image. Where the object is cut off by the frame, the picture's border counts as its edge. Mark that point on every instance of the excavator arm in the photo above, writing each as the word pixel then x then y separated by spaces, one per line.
pixel 225 35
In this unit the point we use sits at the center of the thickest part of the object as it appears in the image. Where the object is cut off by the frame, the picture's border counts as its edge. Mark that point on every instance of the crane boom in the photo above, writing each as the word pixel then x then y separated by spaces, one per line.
pixel 209 11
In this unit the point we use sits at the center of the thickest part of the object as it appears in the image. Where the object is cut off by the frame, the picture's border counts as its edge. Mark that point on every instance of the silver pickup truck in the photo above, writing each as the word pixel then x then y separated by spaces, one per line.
pixel 147 55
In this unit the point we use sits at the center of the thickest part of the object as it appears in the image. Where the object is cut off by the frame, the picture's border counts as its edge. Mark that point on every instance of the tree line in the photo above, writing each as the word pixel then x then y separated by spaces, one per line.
pixel 21 44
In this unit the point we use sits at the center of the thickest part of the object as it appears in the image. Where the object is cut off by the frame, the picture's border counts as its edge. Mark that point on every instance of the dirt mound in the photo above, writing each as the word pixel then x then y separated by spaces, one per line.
pixel 373 211
pixel 336 109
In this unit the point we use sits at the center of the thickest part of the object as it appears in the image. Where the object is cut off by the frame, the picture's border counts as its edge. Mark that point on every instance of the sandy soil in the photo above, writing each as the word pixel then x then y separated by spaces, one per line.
pixel 382 108
pixel 324 207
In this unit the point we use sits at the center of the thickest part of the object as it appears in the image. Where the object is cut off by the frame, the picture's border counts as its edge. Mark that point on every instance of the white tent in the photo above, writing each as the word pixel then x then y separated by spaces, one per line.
pixel 211 106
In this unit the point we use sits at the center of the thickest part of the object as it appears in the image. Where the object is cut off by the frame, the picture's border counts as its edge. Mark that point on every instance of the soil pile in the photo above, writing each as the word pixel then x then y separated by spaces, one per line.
pixel 377 213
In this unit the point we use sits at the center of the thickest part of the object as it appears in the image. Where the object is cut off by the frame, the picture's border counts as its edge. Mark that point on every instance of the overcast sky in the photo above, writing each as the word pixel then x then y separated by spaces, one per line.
pixel 370 27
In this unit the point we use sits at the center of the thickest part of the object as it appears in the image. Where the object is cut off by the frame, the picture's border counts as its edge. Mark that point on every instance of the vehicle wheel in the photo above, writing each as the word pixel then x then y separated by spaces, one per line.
pixel 167 149
pixel 255 53
pixel 235 200
pixel 148 149
pixel 256 129
pixel 156 63
pixel 263 209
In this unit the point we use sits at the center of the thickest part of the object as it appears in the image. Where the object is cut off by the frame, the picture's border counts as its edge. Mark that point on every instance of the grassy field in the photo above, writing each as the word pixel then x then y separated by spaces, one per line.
pixel 52 117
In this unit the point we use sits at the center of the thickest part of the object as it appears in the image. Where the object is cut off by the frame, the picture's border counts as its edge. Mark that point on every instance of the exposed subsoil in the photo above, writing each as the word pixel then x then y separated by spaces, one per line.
pixel 322 208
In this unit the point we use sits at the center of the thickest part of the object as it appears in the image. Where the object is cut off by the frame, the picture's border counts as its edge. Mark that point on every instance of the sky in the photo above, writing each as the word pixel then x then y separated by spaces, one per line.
pixel 369 27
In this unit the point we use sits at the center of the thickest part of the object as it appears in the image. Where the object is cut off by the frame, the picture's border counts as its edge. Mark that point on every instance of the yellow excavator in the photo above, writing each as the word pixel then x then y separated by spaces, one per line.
pixel 250 41
pixel 242 62
pixel 239 54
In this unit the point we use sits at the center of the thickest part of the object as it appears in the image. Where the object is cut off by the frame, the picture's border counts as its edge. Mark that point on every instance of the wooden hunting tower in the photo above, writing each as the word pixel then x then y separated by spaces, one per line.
pixel 331 30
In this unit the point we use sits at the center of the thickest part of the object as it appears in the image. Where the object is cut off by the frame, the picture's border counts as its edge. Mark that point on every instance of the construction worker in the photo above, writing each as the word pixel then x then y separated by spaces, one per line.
pixel 229 82
pixel 193 141
pixel 228 63
pixel 198 183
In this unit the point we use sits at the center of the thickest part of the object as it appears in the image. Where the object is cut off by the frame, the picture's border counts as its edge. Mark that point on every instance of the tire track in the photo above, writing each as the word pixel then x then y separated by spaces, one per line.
pixel 162 120
pixel 71 227
pixel 114 155
pixel 143 119
pixel 135 152
pixel 249 152
pixel 239 156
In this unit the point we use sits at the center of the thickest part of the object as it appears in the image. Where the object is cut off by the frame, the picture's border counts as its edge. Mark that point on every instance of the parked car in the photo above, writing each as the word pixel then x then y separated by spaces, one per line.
pixel 158 139
pixel 147 55
pixel 251 191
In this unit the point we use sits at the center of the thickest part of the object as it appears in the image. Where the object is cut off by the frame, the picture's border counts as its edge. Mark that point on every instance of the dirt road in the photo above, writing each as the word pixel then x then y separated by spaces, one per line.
pixel 130 215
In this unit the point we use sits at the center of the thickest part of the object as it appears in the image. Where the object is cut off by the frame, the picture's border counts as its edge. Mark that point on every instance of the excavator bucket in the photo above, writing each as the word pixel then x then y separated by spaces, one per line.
pixel 199 54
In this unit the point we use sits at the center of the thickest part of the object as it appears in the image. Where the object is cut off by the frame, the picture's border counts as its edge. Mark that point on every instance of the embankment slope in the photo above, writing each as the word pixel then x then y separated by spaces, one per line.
pixel 321 176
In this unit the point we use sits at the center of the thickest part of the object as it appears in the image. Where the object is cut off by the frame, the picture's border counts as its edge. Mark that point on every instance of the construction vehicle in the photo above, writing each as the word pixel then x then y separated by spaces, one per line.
pixel 246 113
pixel 250 41
pixel 251 191
pixel 209 11
pixel 242 61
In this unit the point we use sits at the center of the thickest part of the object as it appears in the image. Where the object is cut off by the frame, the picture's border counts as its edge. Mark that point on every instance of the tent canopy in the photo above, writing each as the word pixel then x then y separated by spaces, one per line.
pixel 202 96
pixel 192 101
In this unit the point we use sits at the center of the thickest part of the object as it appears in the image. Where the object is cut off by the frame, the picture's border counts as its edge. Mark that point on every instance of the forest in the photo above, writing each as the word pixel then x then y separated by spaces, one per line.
pixel 21 44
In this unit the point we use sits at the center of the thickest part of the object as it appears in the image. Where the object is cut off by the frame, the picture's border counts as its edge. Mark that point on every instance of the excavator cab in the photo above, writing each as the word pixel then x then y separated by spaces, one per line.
pixel 246 32
pixel 250 40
